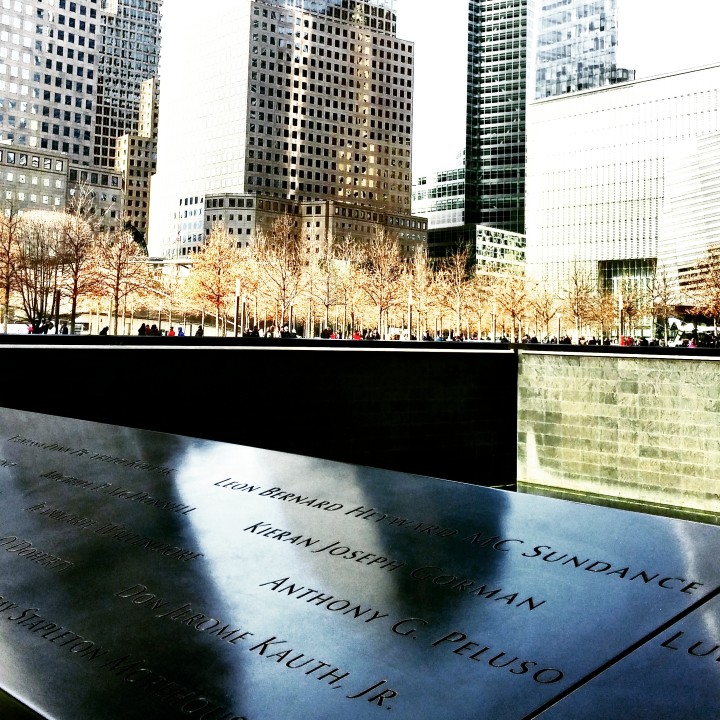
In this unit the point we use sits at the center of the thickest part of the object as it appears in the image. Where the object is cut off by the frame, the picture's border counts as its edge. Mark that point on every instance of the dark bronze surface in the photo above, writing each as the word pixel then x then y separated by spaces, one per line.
pixel 675 674
pixel 157 576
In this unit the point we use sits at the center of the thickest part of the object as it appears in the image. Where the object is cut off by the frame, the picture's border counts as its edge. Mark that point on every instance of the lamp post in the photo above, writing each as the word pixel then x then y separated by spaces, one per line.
pixel 237 304
pixel 410 304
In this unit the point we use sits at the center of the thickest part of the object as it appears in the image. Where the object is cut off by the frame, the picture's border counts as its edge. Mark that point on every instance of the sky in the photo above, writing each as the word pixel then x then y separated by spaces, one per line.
pixel 658 37
pixel 440 80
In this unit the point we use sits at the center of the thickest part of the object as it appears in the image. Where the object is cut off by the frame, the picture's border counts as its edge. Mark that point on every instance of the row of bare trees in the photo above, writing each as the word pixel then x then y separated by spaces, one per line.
pixel 49 257
pixel 53 263
pixel 285 279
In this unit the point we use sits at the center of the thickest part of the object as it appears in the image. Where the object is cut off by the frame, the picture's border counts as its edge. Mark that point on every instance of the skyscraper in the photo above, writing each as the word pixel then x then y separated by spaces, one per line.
pixel 129 54
pixel 495 136
pixel 70 77
pixel 623 179
pixel 298 106
pixel 70 73
pixel 576 46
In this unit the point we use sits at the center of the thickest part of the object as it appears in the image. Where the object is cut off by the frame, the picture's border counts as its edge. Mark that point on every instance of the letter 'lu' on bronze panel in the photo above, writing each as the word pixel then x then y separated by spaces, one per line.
pixel 674 673
pixel 158 576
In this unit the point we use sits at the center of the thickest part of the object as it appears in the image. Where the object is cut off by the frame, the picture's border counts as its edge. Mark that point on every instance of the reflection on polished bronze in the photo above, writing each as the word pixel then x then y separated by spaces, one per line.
pixel 158 576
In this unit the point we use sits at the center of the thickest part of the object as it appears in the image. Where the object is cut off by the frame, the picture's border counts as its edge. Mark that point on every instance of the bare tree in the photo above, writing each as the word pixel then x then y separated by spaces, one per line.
pixel 511 292
pixel 546 305
pixel 249 287
pixel 420 280
pixel 281 258
pixel 120 268
pixel 579 296
pixel 325 269
pixel 9 221
pixel 453 284
pixel 215 269
pixel 77 247
pixel 347 253
pixel 381 269
pixel 602 312
pixel 665 299
pixel 707 287
pixel 38 264
pixel 479 294
pixel 630 303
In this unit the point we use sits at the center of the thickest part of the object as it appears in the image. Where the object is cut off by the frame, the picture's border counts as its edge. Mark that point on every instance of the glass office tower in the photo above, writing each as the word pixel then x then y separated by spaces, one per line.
pixel 495 134
pixel 576 46
pixel 625 178
pixel 128 54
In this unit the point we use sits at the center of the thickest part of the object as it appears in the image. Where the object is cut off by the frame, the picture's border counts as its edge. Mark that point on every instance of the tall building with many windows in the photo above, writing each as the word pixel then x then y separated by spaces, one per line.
pixel 495 135
pixel 129 55
pixel 70 85
pixel 623 181
pixel 307 111
pixel 482 196
pixel 576 46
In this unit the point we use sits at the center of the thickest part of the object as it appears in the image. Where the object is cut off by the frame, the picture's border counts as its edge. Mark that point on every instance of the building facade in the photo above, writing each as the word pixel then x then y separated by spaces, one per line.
pixel 128 55
pixel 309 104
pixel 136 161
pixel 495 134
pixel 576 46
pixel 440 197
pixel 625 179
pixel 70 74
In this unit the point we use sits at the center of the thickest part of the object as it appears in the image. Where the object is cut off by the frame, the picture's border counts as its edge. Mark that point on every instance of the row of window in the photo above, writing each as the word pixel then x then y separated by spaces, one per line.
pixel 230 217
pixel 308 23
pixel 23 196
pixel 23 179
pixel 231 202
pixel 61 36
pixel 11 157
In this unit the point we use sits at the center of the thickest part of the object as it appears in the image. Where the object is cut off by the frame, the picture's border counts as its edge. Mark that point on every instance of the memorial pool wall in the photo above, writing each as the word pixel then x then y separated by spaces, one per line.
pixel 634 426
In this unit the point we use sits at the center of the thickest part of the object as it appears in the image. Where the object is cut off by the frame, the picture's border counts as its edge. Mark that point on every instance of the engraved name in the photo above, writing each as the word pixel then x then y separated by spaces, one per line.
pixel 321 599
pixel 25 550
pixel 141 497
pixel 437 576
pixel 335 548
pixel 99 457
pixel 112 531
pixel 278 651
pixel 698 648
pixel 363 513
pixel 188 702
pixel 184 614
pixel 495 658
pixel 547 554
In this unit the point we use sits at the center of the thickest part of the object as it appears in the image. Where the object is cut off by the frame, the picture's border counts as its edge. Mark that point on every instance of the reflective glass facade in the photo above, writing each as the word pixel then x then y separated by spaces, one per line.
pixel 623 177
pixel 377 14
pixel 440 198
pixel 129 53
pixel 495 136
pixel 576 46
